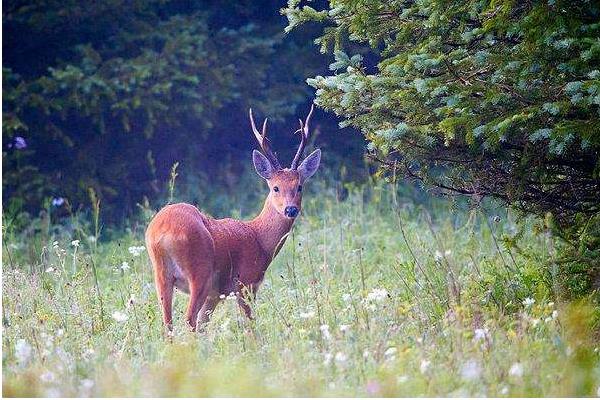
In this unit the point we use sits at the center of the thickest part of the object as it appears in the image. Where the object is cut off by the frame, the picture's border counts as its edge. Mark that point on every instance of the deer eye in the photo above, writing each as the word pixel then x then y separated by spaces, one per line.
pixel 300 188
pixel 275 189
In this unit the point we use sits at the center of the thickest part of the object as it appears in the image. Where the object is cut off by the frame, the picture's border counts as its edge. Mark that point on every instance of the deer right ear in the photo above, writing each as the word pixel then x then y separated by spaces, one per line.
pixel 262 165
pixel 309 166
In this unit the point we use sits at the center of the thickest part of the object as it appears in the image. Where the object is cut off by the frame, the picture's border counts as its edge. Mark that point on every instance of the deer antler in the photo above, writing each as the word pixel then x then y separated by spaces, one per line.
pixel 304 133
pixel 265 145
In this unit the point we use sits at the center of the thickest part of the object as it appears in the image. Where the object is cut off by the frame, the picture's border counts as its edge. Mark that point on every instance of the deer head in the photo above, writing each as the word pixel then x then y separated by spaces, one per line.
pixel 285 184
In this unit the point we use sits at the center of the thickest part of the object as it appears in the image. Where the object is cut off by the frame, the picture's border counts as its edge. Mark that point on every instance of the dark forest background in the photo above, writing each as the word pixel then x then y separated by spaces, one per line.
pixel 481 99
pixel 103 98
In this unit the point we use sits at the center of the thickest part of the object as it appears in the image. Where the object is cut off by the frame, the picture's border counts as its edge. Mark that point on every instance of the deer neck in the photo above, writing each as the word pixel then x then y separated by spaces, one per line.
pixel 271 229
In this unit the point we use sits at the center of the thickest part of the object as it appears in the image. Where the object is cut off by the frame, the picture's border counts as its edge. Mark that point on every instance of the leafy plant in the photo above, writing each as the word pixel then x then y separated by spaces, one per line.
pixel 479 98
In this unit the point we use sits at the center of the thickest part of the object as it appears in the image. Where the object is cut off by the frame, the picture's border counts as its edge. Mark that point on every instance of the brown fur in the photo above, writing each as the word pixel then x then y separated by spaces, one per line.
pixel 207 257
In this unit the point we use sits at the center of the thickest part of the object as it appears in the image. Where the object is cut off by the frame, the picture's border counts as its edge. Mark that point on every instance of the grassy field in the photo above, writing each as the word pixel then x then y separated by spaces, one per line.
pixel 371 296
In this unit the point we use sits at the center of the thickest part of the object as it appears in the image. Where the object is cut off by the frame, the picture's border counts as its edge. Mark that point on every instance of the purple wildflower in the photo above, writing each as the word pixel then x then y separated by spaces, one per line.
pixel 20 143
pixel 373 388
pixel 58 201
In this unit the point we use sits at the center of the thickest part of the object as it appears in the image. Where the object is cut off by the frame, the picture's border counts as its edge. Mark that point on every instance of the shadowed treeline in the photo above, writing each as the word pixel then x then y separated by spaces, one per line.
pixel 106 97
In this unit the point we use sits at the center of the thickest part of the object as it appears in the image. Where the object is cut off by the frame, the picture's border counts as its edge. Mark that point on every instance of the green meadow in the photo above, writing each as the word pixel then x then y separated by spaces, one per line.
pixel 375 294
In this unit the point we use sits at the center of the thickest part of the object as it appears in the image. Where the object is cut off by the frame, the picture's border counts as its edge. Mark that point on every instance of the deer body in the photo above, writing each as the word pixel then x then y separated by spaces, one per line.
pixel 207 257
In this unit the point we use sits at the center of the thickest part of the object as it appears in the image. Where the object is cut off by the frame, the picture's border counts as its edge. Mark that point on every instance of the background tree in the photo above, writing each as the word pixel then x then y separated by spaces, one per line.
pixel 493 98
pixel 109 95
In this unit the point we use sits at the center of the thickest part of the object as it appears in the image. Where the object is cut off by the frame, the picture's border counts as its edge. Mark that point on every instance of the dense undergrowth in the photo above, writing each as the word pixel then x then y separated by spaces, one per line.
pixel 372 296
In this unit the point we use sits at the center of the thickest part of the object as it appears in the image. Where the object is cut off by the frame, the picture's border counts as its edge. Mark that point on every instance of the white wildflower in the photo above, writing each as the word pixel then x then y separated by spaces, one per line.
pixel 87 383
pixel 471 370
pixel 91 239
pixel 548 319
pixel 504 390
pixel 65 358
pixel 75 243
pixel 125 266
pixel 447 252
pixel 307 314
pixel 50 269
pixel 88 354
pixel 344 328
pixel 48 339
pixel 222 296
pixel 528 302
pixel 390 352
pixel 377 295
pixel 55 245
pixel 120 316
pixel 551 304
pixel 136 250
pixel 328 358
pixel 424 366
pixel 231 296
pixel 47 377
pixel 340 358
pixel 438 255
pixel 347 298
pixel 554 314
pixel 516 370
pixel 225 324
pixel 85 387
pixel 325 331
pixel 535 322
pixel 366 353
pixel 480 334
pixel 402 379
pixel 53 392
pixel 23 351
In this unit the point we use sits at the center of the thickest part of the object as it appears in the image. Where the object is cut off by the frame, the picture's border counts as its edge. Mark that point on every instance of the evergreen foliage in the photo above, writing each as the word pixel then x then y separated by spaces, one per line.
pixel 109 96
pixel 492 98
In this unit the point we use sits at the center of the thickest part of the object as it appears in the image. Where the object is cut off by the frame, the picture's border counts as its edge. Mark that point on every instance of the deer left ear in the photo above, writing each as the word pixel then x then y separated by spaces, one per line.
pixel 309 166
pixel 262 165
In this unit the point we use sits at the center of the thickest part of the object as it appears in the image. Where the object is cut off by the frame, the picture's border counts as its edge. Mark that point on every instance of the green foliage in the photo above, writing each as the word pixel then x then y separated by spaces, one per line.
pixel 104 106
pixel 111 95
pixel 482 98
pixel 373 296
pixel 506 94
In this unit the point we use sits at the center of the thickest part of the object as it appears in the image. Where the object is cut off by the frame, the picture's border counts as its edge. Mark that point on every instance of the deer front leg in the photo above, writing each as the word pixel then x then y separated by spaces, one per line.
pixel 207 308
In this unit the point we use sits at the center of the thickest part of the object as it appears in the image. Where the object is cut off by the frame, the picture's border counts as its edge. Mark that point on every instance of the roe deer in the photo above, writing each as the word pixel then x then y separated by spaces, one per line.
pixel 208 257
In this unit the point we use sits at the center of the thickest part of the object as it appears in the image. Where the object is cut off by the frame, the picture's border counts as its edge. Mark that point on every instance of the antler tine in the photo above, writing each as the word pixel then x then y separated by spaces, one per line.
pixel 264 141
pixel 304 137
pixel 264 128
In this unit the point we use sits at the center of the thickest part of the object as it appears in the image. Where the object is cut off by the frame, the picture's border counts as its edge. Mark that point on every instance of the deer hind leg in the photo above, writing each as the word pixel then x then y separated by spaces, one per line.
pixel 164 281
pixel 198 294
pixel 196 260
pixel 165 294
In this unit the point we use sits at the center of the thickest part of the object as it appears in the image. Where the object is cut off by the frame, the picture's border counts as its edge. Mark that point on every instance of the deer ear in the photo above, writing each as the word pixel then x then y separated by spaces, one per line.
pixel 309 165
pixel 262 165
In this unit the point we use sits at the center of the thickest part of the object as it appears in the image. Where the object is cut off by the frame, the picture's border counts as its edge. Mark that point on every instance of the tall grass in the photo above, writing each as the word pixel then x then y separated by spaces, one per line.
pixel 371 296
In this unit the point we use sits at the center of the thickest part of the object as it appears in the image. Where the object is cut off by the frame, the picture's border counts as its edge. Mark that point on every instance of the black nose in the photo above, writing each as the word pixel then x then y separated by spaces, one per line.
pixel 291 211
